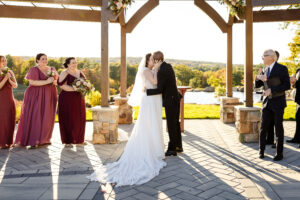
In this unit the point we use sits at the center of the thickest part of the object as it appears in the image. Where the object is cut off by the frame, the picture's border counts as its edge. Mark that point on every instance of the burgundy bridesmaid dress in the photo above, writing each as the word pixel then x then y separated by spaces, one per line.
pixel 71 113
pixel 38 112
pixel 7 115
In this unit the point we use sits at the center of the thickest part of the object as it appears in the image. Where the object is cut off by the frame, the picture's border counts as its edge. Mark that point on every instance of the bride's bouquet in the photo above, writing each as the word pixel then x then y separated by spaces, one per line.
pixel 82 86
pixel 4 71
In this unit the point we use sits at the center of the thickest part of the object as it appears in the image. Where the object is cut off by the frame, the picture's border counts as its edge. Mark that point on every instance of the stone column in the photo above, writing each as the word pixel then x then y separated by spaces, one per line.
pixel 105 120
pixel 247 123
pixel 227 109
pixel 125 110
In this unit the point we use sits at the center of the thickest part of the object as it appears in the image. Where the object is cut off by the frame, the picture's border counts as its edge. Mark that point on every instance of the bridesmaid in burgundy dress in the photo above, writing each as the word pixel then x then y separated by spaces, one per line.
pixel 39 106
pixel 71 106
pixel 7 106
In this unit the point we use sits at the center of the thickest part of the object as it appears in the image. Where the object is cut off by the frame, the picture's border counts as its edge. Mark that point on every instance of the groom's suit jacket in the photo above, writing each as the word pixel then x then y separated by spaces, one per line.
pixel 278 82
pixel 166 85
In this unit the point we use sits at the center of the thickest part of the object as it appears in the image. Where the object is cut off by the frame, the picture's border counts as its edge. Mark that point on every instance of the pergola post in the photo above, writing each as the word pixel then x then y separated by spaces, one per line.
pixel 105 118
pixel 104 54
pixel 248 117
pixel 248 68
pixel 229 62
pixel 123 63
pixel 227 103
pixel 125 110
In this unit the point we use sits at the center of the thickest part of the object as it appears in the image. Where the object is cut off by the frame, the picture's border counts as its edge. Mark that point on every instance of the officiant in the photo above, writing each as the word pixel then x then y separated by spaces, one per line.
pixel 275 81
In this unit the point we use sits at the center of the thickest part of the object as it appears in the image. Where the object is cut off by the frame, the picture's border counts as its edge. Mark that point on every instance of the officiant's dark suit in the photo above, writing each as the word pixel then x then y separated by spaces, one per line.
pixel 273 106
pixel 166 85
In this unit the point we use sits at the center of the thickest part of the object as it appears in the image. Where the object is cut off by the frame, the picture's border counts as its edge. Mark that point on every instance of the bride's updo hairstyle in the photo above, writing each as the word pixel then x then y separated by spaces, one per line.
pixel 147 59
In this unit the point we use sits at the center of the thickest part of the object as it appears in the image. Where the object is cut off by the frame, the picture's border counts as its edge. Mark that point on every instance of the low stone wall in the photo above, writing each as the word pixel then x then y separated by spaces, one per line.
pixel 105 121
pixel 248 120
pixel 227 109
pixel 125 110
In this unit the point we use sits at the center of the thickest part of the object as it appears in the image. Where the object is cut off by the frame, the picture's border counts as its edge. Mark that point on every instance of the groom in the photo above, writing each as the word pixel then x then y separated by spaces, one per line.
pixel 166 85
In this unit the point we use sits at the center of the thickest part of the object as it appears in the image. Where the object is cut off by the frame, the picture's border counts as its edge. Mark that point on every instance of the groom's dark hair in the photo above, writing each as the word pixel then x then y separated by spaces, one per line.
pixel 158 55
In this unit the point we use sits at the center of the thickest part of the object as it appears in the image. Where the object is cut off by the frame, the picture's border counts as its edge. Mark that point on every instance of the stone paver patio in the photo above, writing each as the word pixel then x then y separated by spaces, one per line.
pixel 214 165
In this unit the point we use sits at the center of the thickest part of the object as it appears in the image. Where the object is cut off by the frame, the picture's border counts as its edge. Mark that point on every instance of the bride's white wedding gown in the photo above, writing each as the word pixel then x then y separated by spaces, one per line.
pixel 143 155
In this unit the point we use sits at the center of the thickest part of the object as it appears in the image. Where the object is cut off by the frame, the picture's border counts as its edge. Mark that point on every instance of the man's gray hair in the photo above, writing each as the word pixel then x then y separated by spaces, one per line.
pixel 271 53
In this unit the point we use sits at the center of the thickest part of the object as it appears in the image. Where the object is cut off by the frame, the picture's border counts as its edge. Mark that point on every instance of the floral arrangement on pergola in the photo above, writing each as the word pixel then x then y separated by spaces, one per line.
pixel 235 6
pixel 117 5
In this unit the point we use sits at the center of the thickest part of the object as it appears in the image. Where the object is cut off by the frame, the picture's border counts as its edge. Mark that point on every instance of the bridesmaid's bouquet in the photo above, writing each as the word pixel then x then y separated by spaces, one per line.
pixel 4 71
pixel 51 73
pixel 82 86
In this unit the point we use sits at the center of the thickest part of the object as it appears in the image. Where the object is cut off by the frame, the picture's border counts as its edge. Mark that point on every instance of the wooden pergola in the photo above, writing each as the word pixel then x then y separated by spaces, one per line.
pixel 96 11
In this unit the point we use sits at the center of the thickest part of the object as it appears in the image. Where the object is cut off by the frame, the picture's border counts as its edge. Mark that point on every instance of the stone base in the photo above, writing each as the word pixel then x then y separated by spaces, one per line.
pixel 247 123
pixel 125 110
pixel 227 109
pixel 105 120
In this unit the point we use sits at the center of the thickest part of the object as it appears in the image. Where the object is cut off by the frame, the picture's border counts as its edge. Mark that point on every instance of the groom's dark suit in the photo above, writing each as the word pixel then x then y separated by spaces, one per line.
pixel 166 85
pixel 273 106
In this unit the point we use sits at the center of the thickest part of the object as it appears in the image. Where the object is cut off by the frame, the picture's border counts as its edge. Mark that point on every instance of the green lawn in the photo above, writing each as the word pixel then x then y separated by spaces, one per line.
pixel 193 111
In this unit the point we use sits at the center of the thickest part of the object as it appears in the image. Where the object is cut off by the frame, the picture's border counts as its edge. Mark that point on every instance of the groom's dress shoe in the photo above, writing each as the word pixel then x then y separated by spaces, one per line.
pixel 261 154
pixel 293 141
pixel 278 157
pixel 179 149
pixel 171 153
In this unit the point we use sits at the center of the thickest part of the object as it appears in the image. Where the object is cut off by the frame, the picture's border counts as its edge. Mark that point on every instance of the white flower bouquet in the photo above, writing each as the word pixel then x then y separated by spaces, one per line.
pixel 82 86
pixel 4 71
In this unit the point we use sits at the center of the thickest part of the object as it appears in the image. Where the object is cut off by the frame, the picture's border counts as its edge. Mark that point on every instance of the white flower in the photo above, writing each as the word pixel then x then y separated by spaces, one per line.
pixel 78 83
pixel 89 85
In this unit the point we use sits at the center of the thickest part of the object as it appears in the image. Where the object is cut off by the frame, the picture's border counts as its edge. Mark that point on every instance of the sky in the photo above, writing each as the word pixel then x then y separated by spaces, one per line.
pixel 178 28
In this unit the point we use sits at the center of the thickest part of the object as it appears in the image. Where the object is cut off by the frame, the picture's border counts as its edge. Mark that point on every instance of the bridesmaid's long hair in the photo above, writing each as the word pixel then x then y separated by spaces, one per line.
pixel 38 57
pixel 68 61
pixel 148 58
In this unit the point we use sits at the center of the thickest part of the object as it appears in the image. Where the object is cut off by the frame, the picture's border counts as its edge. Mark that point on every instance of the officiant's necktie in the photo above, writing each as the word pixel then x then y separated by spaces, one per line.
pixel 268 72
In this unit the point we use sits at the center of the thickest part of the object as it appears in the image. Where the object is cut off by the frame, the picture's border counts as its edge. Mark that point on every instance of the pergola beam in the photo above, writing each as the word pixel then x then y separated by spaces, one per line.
pixel 273 16
pixel 257 3
pixel 25 12
pixel 212 13
pixel 140 14
pixel 94 3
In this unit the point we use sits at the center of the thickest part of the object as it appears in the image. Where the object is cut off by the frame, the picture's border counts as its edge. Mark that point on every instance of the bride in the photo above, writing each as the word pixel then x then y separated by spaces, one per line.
pixel 143 155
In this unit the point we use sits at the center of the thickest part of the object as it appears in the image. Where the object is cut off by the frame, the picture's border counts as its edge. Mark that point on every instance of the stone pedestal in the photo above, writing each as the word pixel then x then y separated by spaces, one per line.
pixel 105 120
pixel 247 123
pixel 125 110
pixel 227 109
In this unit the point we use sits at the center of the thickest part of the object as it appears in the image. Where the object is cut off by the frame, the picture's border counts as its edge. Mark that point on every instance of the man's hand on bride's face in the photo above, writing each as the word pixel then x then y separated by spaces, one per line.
pixel 157 65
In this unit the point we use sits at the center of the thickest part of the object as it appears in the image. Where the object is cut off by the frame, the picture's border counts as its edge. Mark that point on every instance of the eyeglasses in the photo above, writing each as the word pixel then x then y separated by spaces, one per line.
pixel 263 56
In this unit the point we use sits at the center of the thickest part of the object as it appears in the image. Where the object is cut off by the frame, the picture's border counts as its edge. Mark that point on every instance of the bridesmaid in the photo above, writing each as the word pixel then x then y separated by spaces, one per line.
pixel 39 106
pixel 7 106
pixel 71 106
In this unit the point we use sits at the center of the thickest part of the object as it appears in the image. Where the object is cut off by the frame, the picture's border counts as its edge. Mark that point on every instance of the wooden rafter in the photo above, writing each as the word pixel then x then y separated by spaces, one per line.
pixel 140 14
pixel 212 13
pixel 49 13
pixel 274 16
pixel 94 3
pixel 257 3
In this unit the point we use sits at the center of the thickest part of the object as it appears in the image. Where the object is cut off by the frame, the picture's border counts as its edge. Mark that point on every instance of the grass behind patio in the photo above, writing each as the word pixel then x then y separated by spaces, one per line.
pixel 194 111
